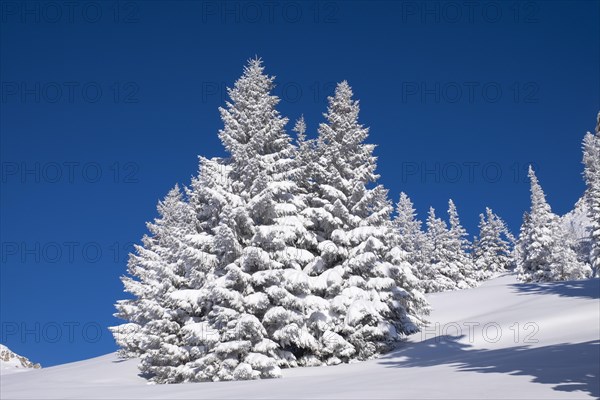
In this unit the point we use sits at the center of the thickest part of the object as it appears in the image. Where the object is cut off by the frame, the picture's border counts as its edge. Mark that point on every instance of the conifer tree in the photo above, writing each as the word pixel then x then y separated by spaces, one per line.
pixel 460 245
pixel 156 270
pixel 411 238
pixel 545 253
pixel 371 298
pixel 591 161
pixel 448 266
pixel 259 296
pixel 210 200
pixel 492 249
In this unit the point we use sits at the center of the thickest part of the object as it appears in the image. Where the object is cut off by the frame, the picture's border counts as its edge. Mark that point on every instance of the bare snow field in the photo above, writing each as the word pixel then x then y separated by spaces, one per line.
pixel 500 340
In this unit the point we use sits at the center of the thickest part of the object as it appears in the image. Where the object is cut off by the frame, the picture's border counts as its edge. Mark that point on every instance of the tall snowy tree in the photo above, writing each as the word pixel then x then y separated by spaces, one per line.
pixel 545 253
pixel 259 293
pixel 591 162
pixel 371 298
pixel 492 249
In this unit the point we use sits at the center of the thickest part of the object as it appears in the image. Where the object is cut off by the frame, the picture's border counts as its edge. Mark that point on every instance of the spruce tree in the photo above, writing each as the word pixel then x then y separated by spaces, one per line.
pixel 411 238
pixel 545 253
pixel 492 249
pixel 259 295
pixel 156 270
pixel 448 266
pixel 460 246
pixel 373 300
pixel 210 199
pixel 591 161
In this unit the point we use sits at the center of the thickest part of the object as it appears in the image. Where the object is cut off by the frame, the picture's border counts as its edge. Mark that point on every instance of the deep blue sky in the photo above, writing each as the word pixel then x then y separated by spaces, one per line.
pixel 161 66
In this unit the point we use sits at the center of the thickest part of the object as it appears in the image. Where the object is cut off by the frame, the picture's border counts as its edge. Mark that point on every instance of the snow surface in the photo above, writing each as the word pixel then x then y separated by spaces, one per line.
pixel 560 359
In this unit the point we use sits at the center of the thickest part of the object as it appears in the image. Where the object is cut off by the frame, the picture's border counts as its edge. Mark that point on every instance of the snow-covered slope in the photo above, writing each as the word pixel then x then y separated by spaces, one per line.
pixel 11 362
pixel 501 340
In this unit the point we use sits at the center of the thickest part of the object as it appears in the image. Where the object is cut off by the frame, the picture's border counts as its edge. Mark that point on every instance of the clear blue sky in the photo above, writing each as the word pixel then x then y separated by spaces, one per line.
pixel 107 108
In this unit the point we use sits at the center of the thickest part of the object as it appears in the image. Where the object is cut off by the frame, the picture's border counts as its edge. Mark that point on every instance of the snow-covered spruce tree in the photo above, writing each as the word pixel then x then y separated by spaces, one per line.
pixel 157 269
pixel 210 198
pixel 435 277
pixel 411 238
pixel 371 298
pixel 447 266
pixel 460 246
pixel 209 194
pixel 591 162
pixel 545 253
pixel 492 249
pixel 305 158
pixel 259 291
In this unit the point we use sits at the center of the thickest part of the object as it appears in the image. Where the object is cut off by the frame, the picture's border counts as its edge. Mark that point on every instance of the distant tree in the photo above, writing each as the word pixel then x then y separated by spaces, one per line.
pixel 492 249
pixel 448 266
pixel 460 245
pixel 545 253
pixel 411 238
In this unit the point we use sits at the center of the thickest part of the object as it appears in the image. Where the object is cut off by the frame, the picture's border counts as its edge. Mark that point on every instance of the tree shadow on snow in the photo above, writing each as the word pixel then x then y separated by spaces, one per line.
pixel 568 366
pixel 589 288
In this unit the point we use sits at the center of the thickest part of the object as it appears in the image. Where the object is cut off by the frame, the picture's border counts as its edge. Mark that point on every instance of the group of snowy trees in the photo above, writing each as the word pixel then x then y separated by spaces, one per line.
pixel 285 253
pixel 280 255
pixel 545 251
pixel 442 256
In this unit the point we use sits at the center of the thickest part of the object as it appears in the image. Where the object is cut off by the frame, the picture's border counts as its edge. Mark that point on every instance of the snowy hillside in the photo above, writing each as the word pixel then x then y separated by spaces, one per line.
pixel 500 340
pixel 11 362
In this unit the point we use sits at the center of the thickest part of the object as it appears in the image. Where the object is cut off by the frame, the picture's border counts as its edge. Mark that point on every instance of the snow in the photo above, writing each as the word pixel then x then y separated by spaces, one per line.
pixel 200 333
pixel 554 356
pixel 330 278
pixel 359 310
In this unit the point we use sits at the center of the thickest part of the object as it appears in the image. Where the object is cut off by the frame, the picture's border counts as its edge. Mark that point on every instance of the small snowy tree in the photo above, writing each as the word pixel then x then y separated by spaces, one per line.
pixel 591 161
pixel 545 253
pixel 448 266
pixel 460 246
pixel 155 271
pixel 492 249
pixel 411 238
pixel 304 158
